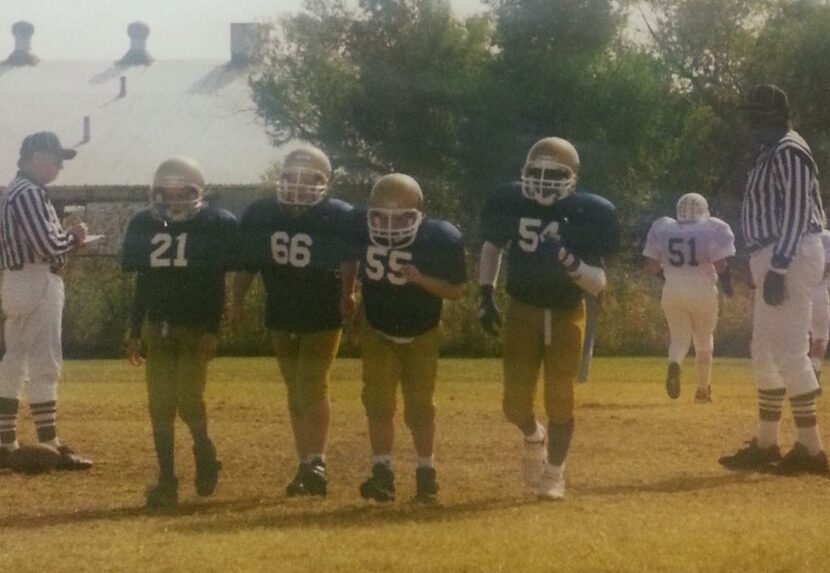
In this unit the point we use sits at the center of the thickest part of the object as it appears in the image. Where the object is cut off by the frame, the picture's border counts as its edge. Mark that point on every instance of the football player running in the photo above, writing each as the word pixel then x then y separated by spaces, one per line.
pixel 180 249
pixel 409 264
pixel 691 252
pixel 555 239
pixel 820 315
pixel 295 242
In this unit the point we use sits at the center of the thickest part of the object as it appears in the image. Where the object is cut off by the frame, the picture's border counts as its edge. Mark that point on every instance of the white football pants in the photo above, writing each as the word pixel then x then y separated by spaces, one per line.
pixel 820 318
pixel 691 309
pixel 780 334
pixel 33 304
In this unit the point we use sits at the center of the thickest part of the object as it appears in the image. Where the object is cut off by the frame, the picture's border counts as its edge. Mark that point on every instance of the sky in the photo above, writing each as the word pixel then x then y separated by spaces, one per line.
pixel 179 29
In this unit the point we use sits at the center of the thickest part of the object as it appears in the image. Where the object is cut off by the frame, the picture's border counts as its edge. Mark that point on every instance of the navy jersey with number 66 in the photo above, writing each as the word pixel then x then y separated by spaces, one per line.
pixel 394 306
pixel 299 259
pixel 584 223
pixel 181 266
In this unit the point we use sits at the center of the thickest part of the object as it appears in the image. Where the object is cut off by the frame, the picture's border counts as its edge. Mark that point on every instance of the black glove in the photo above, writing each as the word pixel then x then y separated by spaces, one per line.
pixel 725 281
pixel 775 290
pixel 488 313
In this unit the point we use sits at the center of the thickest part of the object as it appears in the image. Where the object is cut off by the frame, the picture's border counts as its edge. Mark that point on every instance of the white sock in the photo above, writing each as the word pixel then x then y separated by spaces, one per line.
pixel 767 433
pixel 54 442
pixel 809 438
pixel 385 459
pixel 15 445
pixel 426 461
pixel 311 457
pixel 537 436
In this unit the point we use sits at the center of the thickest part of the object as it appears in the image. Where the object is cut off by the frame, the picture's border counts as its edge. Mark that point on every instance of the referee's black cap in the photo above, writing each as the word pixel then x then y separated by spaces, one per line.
pixel 766 100
pixel 45 141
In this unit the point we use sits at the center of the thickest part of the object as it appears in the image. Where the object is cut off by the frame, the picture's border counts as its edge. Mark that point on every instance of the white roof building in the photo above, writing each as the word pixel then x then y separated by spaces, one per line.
pixel 125 118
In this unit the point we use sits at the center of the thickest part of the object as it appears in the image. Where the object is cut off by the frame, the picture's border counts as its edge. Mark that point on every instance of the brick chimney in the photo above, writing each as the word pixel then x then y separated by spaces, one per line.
pixel 22 54
pixel 137 55
pixel 248 42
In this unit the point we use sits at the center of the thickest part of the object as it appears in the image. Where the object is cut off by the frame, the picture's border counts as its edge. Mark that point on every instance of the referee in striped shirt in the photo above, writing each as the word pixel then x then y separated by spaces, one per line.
pixel 33 250
pixel 782 217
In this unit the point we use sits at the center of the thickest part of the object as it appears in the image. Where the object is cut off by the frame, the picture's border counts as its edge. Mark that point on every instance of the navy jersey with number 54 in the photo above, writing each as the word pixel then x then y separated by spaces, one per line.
pixel 584 223
pixel 394 306
pixel 181 266
pixel 299 259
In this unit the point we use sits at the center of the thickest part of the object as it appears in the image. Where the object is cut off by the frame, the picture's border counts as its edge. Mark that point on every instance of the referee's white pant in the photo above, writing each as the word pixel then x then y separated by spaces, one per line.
pixel 691 307
pixel 780 334
pixel 33 304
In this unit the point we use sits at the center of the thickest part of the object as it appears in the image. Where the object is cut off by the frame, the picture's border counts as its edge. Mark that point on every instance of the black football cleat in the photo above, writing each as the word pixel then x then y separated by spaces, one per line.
pixel 70 461
pixel 381 484
pixel 426 488
pixel 751 458
pixel 798 461
pixel 164 496
pixel 296 487
pixel 207 470
pixel 673 381
pixel 314 478
pixel 703 395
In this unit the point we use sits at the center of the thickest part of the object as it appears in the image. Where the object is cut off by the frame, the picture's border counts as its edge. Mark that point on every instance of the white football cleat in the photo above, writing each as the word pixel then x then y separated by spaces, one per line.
pixel 552 484
pixel 533 462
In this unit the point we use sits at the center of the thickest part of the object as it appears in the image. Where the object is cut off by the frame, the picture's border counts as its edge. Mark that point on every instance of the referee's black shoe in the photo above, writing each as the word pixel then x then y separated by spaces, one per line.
pixel 70 461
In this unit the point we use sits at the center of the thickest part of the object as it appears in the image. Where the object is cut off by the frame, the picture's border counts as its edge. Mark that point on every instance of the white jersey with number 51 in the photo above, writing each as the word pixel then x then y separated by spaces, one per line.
pixel 686 251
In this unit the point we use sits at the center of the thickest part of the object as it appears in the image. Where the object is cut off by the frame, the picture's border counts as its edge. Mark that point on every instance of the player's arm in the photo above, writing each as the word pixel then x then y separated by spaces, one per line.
pixel 348 280
pixel 651 266
pixel 588 277
pixel 240 285
pixel 433 285
pixel 132 344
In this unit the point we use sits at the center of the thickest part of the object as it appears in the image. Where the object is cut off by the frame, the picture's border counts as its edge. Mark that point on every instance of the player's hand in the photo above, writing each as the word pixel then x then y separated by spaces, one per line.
pixel 488 313
pixel 347 306
pixel 411 274
pixel 236 315
pixel 206 346
pixel 79 231
pixel 725 282
pixel 775 288
pixel 132 350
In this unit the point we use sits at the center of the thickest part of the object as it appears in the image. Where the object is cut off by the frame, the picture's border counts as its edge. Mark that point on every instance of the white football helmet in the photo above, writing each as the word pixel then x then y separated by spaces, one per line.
pixel 304 179
pixel 691 208
pixel 178 190
pixel 550 171
pixel 394 214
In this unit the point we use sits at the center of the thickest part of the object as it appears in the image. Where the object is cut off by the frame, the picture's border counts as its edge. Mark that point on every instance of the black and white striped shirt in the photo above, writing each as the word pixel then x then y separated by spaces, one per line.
pixel 30 231
pixel 781 200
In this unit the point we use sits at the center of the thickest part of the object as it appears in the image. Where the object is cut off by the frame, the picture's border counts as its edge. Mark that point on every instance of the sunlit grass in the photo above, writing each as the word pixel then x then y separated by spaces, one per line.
pixel 645 491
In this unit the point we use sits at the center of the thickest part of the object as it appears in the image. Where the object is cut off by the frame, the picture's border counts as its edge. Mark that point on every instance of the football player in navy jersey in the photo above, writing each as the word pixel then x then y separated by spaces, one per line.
pixel 555 239
pixel 180 249
pixel 409 264
pixel 295 241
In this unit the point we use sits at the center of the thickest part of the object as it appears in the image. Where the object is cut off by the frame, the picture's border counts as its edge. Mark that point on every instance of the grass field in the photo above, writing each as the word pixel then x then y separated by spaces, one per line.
pixel 645 490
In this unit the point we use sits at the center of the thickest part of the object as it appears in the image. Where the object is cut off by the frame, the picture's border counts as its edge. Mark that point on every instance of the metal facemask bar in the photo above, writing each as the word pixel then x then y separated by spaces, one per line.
pixel 291 192
pixel 175 211
pixel 546 190
pixel 383 234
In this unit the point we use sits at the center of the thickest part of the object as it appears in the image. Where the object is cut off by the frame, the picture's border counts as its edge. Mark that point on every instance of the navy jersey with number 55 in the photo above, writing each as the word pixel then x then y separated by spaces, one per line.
pixel 394 306
pixel 181 266
pixel 584 223
pixel 299 259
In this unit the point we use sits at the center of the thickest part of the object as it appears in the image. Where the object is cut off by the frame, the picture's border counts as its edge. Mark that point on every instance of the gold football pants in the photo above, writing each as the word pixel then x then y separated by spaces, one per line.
pixel 305 361
pixel 530 340
pixel 176 374
pixel 414 363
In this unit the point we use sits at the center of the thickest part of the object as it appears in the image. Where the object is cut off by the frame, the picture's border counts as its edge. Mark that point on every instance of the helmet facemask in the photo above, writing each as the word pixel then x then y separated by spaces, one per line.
pixel 393 228
pixel 547 181
pixel 302 187
pixel 174 201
